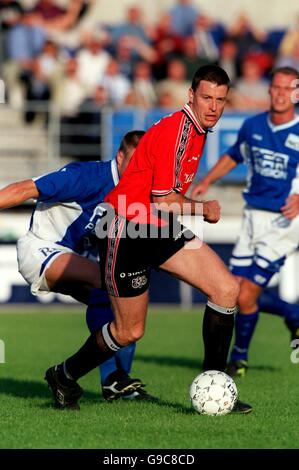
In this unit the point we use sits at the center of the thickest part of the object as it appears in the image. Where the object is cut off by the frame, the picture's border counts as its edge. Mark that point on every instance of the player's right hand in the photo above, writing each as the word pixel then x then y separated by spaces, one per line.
pixel 211 211
pixel 200 189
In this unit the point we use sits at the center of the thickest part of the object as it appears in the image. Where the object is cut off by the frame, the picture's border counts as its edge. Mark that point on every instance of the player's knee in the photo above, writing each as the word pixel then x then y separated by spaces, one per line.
pixel 246 301
pixel 230 289
pixel 129 335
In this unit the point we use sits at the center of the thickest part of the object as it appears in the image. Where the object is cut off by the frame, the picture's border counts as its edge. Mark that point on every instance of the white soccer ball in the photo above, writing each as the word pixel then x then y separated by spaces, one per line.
pixel 213 393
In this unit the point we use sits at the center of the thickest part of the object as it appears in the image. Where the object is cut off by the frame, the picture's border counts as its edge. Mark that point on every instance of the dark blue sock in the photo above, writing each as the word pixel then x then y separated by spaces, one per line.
pixel 270 302
pixel 99 311
pixel 244 328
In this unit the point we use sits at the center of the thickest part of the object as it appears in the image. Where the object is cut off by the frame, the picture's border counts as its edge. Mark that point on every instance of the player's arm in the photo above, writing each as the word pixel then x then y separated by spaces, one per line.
pixel 291 207
pixel 178 203
pixel 224 165
pixel 16 193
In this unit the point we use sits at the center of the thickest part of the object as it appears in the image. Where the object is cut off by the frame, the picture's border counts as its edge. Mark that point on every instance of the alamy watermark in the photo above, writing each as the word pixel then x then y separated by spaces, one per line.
pixel 140 220
pixel 2 351
pixel 295 353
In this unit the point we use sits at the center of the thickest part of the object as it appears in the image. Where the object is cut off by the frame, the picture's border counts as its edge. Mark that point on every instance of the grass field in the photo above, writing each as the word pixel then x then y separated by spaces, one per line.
pixel 167 359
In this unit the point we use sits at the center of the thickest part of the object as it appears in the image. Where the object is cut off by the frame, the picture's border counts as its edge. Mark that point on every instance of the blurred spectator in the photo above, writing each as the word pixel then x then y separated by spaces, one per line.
pixel 288 54
pixel 11 12
pixel 69 92
pixel 134 35
pixel 166 43
pixel 251 89
pixel 26 39
pixel 143 92
pixel 117 85
pixel 165 100
pixel 125 60
pixel 68 95
pixel 84 19
pixel 289 40
pixel 37 80
pixel 92 60
pixel 175 83
pixel 190 57
pixel 227 59
pixel 88 123
pixel 247 36
pixel 182 16
pixel 290 60
pixel 208 36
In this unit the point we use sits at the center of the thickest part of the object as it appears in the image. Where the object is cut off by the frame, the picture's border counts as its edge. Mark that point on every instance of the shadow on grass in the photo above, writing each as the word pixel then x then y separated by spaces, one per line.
pixel 194 364
pixel 34 389
pixel 30 389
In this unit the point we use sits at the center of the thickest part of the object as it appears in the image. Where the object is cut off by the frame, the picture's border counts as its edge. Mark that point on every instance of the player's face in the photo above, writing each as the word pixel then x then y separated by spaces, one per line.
pixel 281 90
pixel 207 102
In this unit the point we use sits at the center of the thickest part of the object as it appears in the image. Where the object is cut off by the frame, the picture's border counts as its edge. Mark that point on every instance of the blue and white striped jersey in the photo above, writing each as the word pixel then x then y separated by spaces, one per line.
pixel 272 155
pixel 66 208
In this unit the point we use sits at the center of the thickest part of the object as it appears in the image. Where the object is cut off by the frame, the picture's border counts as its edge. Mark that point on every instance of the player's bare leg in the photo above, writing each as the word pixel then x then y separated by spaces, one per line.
pixel 130 316
pixel 203 269
pixel 248 296
pixel 73 275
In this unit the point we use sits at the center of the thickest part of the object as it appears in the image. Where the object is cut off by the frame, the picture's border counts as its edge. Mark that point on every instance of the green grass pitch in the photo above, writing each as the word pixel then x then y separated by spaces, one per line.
pixel 167 359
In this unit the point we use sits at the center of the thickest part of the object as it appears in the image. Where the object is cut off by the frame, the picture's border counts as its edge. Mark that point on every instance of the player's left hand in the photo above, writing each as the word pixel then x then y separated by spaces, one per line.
pixel 291 207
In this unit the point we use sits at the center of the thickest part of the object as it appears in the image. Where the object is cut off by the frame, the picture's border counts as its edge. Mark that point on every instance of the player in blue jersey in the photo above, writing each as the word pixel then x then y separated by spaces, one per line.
pixel 59 252
pixel 269 144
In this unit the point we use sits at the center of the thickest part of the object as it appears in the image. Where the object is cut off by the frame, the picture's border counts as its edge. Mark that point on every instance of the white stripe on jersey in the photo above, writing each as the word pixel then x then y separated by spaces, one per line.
pixel 114 172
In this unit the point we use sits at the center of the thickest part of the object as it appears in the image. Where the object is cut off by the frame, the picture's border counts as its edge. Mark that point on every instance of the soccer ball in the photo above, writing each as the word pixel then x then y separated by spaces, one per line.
pixel 213 393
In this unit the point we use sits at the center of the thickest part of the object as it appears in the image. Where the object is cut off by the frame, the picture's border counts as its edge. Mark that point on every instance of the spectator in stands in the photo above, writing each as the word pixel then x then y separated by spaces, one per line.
pixel 190 57
pixel 182 16
pixel 175 83
pixel 247 36
pixel 292 58
pixel 27 38
pixel 134 35
pixel 37 80
pixel 289 40
pixel 89 118
pixel 228 58
pixel 92 60
pixel 68 95
pixel 251 89
pixel 143 92
pixel 208 36
pixel 117 85
pixel 166 43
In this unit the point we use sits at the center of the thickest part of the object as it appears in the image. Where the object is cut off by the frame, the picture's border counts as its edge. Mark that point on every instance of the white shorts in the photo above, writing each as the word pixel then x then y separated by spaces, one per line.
pixel 34 258
pixel 266 239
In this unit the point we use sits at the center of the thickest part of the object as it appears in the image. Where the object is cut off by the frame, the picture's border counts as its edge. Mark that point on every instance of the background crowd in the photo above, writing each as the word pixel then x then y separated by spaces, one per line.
pixel 67 57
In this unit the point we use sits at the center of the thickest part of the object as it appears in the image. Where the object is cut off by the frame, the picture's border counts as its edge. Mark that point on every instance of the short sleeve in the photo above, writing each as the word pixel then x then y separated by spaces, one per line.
pixel 238 151
pixel 65 184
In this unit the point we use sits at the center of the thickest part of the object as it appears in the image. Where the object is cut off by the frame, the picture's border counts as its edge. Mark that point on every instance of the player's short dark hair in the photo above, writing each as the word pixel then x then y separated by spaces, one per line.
pixel 210 73
pixel 284 70
pixel 130 139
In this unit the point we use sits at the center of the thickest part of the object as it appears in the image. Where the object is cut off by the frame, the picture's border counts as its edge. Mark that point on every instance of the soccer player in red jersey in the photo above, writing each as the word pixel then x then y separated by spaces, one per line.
pixel 142 231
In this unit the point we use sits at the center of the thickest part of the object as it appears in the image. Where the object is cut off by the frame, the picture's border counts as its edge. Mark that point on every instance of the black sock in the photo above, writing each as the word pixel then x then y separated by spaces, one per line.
pixel 217 333
pixel 98 348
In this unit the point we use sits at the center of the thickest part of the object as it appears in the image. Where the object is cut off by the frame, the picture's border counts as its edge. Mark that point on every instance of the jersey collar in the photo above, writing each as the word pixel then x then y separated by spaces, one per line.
pixel 114 171
pixel 281 127
pixel 188 111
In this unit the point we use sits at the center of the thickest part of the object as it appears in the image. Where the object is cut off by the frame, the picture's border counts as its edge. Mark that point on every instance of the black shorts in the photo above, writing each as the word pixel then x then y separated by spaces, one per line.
pixel 127 259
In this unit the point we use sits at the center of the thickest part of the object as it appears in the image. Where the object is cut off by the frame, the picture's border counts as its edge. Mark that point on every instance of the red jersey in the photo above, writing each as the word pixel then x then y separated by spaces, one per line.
pixel 165 160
